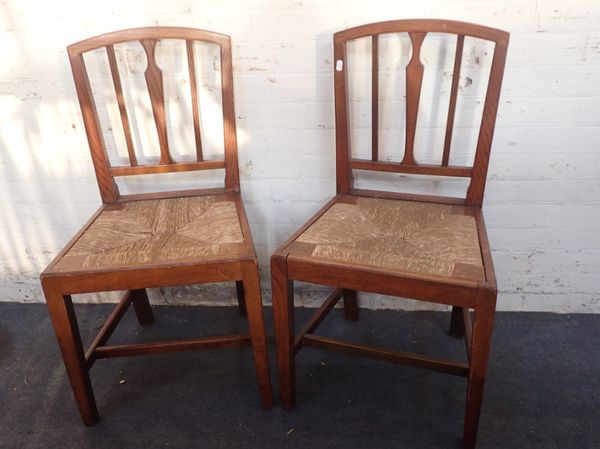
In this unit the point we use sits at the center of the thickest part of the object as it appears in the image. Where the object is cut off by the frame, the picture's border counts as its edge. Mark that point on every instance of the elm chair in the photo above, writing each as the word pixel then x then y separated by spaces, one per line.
pixel 149 240
pixel 424 247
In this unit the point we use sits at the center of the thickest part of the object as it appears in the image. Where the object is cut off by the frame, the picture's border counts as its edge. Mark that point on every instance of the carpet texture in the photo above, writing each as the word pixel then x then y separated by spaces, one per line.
pixel 543 385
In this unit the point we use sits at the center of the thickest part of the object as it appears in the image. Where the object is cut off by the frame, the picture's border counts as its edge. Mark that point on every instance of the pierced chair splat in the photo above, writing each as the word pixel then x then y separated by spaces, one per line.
pixel 162 239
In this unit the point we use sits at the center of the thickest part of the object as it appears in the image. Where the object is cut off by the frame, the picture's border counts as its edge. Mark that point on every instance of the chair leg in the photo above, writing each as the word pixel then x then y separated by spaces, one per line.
pixel 351 310
pixel 457 323
pixel 239 286
pixel 283 312
pixel 485 307
pixel 251 287
pixel 67 332
pixel 142 307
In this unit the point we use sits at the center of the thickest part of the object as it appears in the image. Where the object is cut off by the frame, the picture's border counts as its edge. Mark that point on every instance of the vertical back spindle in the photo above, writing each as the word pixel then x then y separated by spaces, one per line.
pixel 414 81
pixel 453 95
pixel 114 72
pixel 154 82
pixel 375 98
pixel 195 108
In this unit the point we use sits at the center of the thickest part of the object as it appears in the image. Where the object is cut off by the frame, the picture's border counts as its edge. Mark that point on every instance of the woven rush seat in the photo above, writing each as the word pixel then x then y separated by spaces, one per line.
pixel 398 236
pixel 188 229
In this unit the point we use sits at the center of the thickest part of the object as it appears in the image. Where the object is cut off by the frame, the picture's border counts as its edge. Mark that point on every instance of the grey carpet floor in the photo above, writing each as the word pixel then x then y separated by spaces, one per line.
pixel 543 386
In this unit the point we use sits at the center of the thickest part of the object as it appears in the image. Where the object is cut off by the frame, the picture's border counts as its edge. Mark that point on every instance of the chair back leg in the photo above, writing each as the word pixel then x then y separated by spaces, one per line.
pixel 351 310
pixel 141 305
pixel 239 287
pixel 457 324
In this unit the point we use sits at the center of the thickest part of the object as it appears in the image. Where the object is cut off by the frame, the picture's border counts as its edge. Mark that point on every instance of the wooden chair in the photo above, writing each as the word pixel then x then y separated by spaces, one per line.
pixel 429 248
pixel 140 241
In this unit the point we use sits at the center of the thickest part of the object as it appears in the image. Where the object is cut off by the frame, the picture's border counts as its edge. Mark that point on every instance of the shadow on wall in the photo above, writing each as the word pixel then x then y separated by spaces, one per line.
pixel 31 135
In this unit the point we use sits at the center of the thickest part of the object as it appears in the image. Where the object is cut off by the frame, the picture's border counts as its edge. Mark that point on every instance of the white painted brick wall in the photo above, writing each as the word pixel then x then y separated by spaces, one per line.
pixel 543 199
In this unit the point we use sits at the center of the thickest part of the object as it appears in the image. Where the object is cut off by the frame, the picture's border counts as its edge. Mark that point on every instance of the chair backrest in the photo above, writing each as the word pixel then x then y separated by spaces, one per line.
pixel 417 30
pixel 149 38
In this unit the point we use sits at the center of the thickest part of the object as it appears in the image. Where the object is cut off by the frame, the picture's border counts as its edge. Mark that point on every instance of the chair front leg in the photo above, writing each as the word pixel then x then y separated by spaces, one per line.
pixel 283 312
pixel 253 307
pixel 67 332
pixel 483 322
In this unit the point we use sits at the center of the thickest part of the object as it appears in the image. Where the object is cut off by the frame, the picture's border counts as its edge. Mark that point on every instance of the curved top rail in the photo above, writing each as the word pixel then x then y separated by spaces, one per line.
pixel 427 26
pixel 157 32
pixel 417 29
pixel 148 38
